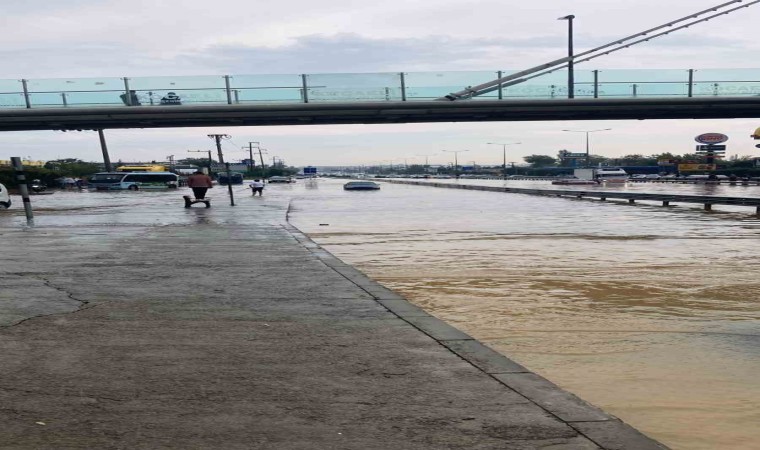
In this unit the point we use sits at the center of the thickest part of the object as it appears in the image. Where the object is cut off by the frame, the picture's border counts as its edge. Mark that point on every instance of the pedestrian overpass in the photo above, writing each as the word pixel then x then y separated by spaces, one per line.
pixel 373 98
pixel 537 93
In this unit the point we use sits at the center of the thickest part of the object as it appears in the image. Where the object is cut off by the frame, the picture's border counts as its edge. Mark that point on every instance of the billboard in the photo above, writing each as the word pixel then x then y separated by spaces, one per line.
pixel 309 170
pixel 695 167
pixel 711 138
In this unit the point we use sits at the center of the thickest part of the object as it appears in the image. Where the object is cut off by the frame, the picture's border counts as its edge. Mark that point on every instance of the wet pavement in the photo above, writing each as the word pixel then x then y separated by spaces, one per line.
pixel 131 322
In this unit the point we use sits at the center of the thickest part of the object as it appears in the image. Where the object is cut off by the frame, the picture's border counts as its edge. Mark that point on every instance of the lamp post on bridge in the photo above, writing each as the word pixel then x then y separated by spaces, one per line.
pixel 570 74
pixel 504 149
pixel 588 158
pixel 456 164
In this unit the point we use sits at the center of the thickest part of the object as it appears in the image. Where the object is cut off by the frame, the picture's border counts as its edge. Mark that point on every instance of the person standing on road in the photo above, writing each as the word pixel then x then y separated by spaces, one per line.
pixel 257 186
pixel 199 182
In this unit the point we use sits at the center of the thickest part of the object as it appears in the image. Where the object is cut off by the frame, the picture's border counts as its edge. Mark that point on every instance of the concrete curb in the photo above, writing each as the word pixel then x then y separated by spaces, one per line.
pixel 604 429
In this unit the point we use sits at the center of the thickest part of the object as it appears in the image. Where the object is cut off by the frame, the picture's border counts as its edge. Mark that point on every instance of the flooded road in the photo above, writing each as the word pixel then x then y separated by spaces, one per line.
pixel 651 313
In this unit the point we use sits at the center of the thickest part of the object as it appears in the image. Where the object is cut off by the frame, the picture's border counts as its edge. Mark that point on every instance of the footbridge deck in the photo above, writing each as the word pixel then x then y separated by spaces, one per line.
pixel 373 98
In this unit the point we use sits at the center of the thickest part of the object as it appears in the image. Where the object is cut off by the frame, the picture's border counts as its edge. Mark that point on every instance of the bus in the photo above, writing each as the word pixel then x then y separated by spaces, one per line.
pixel 133 181
pixel 142 168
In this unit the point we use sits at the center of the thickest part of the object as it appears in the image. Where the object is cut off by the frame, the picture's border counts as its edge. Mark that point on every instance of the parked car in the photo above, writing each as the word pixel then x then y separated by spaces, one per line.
pixel 5 198
pixel 279 179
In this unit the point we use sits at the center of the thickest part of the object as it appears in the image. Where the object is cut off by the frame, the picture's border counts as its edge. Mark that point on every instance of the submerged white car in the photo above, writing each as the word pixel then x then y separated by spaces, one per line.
pixel 5 199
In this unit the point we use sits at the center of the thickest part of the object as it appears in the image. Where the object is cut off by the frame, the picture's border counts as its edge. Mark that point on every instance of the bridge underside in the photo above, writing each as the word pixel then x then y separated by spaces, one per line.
pixel 377 113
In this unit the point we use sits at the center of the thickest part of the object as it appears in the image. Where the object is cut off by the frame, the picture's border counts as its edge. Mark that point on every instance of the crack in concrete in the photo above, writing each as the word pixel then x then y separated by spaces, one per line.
pixel 83 304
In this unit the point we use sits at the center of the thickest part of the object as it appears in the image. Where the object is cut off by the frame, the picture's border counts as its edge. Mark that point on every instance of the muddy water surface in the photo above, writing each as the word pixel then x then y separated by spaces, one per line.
pixel 651 313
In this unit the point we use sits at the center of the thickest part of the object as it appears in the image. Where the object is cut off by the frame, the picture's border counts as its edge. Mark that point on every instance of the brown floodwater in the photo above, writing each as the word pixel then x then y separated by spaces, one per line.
pixel 651 313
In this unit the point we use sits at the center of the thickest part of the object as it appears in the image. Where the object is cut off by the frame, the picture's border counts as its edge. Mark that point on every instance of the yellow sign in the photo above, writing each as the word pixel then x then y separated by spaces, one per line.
pixel 695 167
pixel 756 134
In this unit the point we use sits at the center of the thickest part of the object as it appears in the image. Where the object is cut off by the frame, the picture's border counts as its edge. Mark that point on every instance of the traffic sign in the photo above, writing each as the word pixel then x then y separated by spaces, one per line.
pixel 711 148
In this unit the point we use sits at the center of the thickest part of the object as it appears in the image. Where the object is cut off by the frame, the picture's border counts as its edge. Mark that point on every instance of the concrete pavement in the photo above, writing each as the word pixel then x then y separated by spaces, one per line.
pixel 227 328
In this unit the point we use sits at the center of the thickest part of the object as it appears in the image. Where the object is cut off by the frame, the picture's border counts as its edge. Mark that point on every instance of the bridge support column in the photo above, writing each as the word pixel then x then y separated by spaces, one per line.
pixel 604 199
pixel 708 206
pixel 104 148
pixel 757 211
pixel 631 200
pixel 665 203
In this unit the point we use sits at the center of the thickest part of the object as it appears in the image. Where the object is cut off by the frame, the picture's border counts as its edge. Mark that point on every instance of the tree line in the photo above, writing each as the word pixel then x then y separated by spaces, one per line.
pixel 537 161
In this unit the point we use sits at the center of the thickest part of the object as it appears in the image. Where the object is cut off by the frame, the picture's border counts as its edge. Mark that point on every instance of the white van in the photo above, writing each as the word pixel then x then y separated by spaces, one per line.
pixel 5 198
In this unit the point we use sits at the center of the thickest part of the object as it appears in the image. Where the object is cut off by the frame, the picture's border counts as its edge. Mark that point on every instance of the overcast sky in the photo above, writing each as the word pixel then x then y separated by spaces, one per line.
pixel 108 38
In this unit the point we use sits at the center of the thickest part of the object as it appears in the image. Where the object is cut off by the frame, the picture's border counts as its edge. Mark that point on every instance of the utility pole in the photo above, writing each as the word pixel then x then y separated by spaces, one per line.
pixel 210 161
pixel 250 154
pixel 261 157
pixel 171 162
pixel 218 138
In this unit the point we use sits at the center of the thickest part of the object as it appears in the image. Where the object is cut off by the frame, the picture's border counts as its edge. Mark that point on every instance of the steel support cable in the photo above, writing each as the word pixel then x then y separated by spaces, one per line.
pixel 519 77
pixel 621 47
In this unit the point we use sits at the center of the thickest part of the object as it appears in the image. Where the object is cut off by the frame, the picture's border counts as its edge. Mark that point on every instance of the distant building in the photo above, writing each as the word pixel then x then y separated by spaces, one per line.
pixel 27 163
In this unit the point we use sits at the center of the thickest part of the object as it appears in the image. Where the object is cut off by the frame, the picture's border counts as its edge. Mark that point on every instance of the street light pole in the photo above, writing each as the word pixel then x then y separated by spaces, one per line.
pixel 570 74
pixel 504 150
pixel 588 157
pixel 456 163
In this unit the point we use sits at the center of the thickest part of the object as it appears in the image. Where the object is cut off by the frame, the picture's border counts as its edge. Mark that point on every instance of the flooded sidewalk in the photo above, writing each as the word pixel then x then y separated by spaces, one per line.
pixel 147 325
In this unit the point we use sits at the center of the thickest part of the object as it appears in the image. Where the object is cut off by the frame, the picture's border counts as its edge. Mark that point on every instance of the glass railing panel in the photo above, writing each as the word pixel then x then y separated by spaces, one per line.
pixel 266 88
pixel 726 82
pixel 643 83
pixel 71 92
pixel 11 94
pixel 191 90
pixel 427 86
pixel 354 87
pixel 552 85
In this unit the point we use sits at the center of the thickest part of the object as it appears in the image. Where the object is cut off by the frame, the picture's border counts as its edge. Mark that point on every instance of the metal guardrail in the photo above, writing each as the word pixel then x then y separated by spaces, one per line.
pixel 753 182
pixel 706 200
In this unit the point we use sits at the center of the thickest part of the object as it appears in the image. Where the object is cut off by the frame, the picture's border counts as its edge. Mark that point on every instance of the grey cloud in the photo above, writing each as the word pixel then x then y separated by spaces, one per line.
pixel 355 53
pixel 341 53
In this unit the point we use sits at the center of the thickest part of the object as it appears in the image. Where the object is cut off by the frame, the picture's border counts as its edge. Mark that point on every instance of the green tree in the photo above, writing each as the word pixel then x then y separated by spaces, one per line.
pixel 540 160
pixel 73 167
